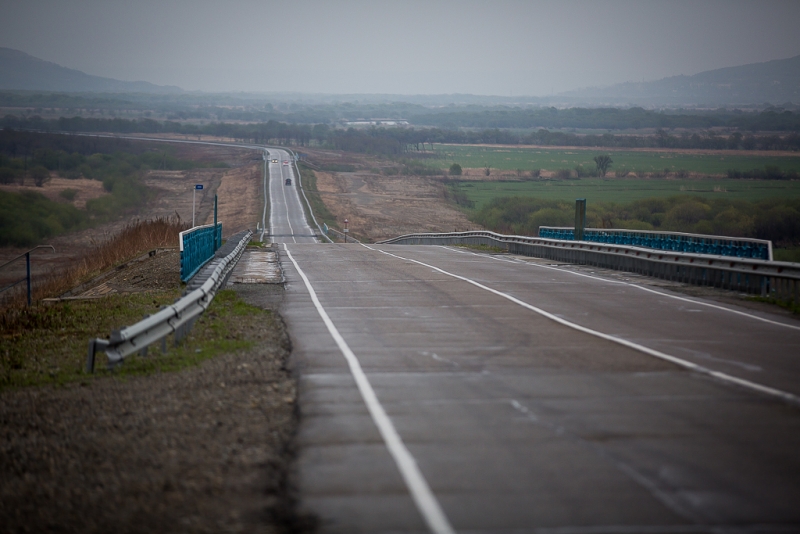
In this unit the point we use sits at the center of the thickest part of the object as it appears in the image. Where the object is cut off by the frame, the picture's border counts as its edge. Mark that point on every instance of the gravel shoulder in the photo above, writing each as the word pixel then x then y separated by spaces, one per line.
pixel 205 449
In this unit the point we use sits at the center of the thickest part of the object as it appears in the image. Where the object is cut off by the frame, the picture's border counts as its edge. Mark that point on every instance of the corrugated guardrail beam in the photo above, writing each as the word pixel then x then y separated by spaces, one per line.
pixel 778 279
pixel 174 318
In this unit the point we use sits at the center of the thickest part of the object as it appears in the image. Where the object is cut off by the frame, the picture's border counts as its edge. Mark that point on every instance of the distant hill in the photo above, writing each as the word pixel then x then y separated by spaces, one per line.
pixel 20 71
pixel 775 82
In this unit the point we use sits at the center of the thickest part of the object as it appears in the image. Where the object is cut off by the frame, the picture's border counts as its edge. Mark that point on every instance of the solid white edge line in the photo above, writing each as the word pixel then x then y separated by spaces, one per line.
pixel 418 487
pixel 784 395
pixel 698 302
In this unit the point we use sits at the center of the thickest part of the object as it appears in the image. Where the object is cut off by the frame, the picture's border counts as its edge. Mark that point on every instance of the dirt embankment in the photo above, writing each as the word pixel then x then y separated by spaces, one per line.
pixel 380 206
pixel 206 449
pixel 238 189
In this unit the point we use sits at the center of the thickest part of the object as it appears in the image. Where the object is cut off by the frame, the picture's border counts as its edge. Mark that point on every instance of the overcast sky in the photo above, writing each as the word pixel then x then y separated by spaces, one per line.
pixel 492 47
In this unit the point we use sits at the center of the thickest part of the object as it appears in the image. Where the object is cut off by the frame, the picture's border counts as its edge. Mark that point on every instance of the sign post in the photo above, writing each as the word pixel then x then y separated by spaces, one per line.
pixel 196 188
pixel 216 245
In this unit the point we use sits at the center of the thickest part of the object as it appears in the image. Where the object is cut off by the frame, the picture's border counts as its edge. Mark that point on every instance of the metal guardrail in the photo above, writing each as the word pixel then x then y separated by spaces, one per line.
pixel 177 318
pixel 197 246
pixel 739 247
pixel 777 279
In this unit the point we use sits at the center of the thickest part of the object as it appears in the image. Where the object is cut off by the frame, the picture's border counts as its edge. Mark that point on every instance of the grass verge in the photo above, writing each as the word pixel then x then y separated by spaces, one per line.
pixel 47 344
pixel 136 238
pixel 792 307
pixel 312 193
pixel 787 254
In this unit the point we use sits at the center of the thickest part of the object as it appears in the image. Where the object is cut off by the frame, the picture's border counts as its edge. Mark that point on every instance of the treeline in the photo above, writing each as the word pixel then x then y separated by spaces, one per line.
pixel 394 141
pixel 23 153
pixel 610 119
pixel 426 112
pixel 28 217
pixel 774 219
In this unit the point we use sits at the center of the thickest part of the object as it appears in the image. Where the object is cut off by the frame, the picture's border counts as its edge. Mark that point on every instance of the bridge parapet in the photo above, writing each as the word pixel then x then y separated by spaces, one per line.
pixel 780 280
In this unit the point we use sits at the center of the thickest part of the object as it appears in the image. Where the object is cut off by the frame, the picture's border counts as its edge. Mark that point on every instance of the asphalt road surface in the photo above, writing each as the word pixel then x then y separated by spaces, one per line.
pixel 447 391
pixel 287 222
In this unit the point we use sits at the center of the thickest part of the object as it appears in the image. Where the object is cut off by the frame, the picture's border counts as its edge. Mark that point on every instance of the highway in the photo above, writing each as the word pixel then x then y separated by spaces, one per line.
pixel 444 390
pixel 437 395
pixel 287 222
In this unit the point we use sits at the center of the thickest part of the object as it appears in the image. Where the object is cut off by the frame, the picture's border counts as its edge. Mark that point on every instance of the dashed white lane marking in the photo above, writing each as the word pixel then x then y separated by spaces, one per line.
pixel 286 205
pixel 784 395
pixel 421 493
pixel 698 302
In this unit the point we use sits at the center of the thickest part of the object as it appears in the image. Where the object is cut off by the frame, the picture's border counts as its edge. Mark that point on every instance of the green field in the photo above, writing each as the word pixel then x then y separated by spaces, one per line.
pixel 626 190
pixel 528 158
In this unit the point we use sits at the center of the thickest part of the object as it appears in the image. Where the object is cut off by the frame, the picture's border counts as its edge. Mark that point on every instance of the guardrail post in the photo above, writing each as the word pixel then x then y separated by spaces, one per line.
pixel 94 345
pixel 28 274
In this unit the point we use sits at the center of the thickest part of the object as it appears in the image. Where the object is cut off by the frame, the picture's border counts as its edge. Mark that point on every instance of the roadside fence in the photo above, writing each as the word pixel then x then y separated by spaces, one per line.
pixel 780 280
pixel 739 247
pixel 177 318
pixel 197 246
pixel 11 287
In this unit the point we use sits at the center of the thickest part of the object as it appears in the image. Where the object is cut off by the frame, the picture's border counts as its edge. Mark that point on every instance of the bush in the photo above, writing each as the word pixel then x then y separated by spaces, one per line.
pixel 40 175
pixel 776 219
pixel 68 194
pixel 28 217
pixel 685 215
pixel 455 169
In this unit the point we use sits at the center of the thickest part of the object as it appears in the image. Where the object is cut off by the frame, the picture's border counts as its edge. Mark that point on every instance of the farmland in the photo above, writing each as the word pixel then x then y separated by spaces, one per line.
pixel 624 190
pixel 504 158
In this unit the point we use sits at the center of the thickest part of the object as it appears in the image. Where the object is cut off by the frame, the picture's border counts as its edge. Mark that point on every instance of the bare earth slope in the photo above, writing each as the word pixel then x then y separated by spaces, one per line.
pixel 380 206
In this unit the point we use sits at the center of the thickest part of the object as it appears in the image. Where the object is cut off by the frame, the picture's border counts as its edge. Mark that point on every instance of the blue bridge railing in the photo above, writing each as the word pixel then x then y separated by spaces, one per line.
pixel 198 247
pixel 738 247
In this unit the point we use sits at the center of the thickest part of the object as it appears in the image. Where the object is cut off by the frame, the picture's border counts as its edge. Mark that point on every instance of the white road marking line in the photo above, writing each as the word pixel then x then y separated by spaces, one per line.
pixel 784 395
pixel 286 205
pixel 698 302
pixel 421 493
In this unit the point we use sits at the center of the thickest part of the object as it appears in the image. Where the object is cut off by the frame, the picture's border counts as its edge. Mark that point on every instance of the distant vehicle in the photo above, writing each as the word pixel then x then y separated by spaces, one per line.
pixel 286 162
pixel 275 160
pixel 288 181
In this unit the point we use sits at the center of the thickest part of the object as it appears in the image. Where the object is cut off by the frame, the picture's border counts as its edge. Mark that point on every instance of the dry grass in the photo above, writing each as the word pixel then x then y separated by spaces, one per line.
pixel 134 239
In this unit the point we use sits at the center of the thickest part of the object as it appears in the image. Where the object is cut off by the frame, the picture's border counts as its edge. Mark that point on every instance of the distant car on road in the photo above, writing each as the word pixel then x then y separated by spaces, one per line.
pixel 288 181
pixel 286 162
pixel 275 160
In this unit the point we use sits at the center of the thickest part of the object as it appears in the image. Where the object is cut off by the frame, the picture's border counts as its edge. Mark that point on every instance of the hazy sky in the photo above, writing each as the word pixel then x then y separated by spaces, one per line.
pixel 497 47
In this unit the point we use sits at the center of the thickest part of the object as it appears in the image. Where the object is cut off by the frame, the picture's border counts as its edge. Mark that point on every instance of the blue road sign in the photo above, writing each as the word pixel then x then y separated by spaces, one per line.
pixel 199 186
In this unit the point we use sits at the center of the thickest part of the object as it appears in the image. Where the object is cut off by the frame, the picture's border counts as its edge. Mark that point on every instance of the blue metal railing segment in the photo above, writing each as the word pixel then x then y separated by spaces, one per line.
pixel 696 244
pixel 197 248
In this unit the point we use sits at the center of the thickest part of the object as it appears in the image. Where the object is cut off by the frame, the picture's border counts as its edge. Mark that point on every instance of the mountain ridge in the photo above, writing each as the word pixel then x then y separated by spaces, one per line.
pixel 23 72
pixel 775 82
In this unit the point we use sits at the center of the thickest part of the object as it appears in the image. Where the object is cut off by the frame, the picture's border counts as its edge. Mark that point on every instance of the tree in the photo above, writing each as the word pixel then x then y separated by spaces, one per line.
pixel 40 175
pixel 455 169
pixel 487 170
pixel 603 163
